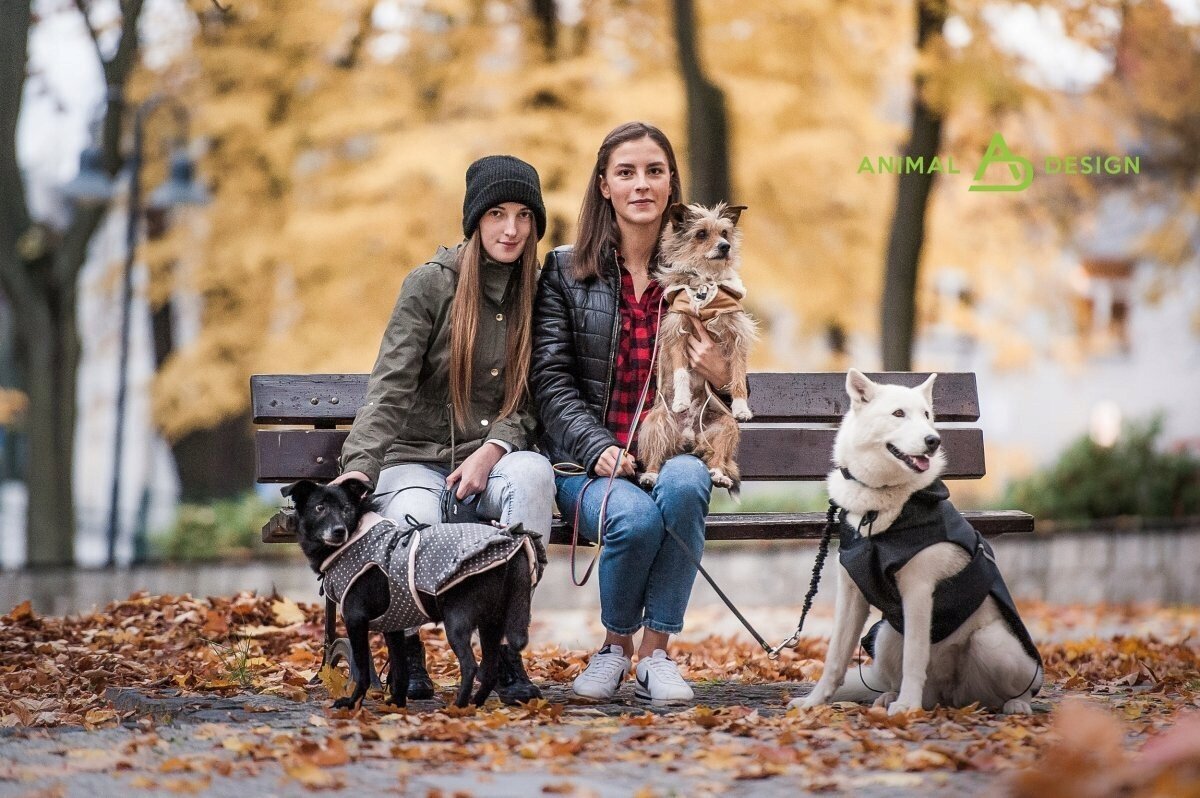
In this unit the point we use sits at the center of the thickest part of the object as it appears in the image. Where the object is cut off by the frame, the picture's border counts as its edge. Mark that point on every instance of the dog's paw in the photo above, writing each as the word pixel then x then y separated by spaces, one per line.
pixel 899 707
pixel 741 410
pixel 346 703
pixel 885 700
pixel 1017 706
pixel 720 479
pixel 809 701
pixel 649 479
pixel 816 697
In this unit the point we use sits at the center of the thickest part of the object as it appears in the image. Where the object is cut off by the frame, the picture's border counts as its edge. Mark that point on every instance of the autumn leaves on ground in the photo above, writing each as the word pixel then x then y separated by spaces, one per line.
pixel 1119 720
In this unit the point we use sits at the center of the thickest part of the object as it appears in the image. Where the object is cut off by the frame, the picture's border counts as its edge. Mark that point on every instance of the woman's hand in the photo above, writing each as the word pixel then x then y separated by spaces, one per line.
pixel 472 476
pixel 352 475
pixel 608 463
pixel 706 358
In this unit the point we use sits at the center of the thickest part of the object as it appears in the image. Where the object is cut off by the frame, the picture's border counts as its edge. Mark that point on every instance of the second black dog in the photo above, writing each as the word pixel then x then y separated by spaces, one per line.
pixel 495 602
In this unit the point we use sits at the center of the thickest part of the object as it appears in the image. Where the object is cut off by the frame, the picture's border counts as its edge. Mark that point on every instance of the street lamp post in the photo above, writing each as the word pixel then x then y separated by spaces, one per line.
pixel 180 189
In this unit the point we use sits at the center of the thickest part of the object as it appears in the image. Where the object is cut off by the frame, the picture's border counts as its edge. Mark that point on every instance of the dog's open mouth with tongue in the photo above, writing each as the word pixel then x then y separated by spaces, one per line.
pixel 917 462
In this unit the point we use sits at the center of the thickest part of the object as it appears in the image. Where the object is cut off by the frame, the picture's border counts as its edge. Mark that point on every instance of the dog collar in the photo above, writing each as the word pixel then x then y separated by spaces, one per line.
pixel 846 473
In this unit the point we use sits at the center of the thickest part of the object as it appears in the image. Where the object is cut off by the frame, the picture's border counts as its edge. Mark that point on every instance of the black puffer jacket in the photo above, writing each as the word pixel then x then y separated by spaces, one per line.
pixel 575 326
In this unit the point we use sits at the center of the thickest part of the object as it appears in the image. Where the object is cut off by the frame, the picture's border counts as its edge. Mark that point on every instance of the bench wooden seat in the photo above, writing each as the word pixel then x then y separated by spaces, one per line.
pixel 791 438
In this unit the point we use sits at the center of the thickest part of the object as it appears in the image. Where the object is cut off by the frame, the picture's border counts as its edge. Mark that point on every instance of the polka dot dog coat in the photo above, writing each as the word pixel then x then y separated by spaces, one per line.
pixel 421 558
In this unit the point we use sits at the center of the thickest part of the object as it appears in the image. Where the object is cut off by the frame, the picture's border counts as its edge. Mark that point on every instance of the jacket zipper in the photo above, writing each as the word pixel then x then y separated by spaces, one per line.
pixel 612 353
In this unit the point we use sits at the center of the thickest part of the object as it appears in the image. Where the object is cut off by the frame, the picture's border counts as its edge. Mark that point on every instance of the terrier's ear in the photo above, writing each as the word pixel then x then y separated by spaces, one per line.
pixel 299 491
pixel 860 388
pixel 733 213
pixel 926 388
pixel 678 214
pixel 357 489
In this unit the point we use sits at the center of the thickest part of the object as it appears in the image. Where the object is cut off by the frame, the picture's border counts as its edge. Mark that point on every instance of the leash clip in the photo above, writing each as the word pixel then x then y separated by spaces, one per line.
pixel 773 653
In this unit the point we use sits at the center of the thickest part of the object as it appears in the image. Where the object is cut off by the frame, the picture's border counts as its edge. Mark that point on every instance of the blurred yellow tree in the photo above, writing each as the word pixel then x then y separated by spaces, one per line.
pixel 340 133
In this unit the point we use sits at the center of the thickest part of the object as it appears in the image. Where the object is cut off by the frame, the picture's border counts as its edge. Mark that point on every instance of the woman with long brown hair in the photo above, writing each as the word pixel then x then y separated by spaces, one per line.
pixel 595 323
pixel 446 405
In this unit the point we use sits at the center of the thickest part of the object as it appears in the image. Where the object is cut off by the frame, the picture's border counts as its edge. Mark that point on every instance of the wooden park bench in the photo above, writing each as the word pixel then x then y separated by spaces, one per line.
pixel 790 438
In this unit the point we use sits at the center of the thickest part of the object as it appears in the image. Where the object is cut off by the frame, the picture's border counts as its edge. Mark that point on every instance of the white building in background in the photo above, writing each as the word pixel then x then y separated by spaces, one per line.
pixel 1131 334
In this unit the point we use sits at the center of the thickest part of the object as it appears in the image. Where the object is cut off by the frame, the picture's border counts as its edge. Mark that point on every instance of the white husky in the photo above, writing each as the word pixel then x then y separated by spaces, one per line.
pixel 904 549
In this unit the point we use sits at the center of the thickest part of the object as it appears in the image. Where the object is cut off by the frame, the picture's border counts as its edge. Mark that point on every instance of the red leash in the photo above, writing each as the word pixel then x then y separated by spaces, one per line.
pixel 637 417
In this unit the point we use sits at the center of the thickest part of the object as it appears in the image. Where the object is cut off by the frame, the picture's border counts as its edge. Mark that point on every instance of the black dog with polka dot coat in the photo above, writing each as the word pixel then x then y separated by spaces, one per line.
pixel 496 602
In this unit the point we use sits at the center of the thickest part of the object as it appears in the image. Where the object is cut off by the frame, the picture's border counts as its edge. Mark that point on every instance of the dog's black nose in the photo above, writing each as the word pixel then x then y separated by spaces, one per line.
pixel 932 442
pixel 723 247
pixel 338 534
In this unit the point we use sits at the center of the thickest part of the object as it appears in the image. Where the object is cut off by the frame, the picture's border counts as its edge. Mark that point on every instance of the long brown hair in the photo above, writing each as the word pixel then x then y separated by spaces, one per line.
pixel 464 325
pixel 597 219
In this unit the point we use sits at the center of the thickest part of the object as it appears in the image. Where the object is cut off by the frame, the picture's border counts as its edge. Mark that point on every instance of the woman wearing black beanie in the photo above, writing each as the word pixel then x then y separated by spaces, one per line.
pixel 447 403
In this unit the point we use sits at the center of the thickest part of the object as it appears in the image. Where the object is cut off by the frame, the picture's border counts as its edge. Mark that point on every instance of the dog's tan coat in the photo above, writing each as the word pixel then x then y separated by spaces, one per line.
pixel 699 272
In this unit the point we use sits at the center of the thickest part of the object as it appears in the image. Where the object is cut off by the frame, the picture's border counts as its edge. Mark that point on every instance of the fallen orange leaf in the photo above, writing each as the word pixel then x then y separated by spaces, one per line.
pixel 312 776
pixel 287 612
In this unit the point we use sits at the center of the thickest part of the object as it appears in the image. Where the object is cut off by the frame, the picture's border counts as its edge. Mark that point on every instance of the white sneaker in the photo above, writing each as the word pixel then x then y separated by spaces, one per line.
pixel 604 673
pixel 658 679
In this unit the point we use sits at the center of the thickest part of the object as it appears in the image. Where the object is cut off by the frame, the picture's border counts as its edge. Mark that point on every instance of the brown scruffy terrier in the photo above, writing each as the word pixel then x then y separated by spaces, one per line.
pixel 699 276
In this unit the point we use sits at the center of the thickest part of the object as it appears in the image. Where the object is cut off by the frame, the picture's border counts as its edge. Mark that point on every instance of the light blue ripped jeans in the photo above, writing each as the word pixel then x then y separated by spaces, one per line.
pixel 520 489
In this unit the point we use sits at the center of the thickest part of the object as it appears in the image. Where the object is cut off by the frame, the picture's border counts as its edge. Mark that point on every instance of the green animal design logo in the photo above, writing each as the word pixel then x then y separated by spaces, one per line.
pixel 998 152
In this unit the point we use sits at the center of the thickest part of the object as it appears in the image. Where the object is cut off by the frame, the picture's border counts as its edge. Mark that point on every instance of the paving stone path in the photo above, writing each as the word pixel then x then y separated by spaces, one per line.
pixel 165 730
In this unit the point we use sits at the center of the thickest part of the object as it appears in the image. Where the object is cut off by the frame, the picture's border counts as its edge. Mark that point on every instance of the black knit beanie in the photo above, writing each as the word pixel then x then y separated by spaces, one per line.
pixel 497 179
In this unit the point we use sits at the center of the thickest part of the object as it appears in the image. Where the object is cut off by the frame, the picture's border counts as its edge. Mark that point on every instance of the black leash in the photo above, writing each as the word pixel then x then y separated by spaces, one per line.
pixel 822 551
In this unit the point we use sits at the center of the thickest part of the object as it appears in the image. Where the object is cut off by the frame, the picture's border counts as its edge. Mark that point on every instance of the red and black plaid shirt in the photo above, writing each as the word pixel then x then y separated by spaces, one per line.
pixel 635 346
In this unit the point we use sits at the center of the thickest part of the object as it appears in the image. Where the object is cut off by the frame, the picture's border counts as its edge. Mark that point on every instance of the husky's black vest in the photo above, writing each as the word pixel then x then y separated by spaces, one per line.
pixel 421 562
pixel 928 518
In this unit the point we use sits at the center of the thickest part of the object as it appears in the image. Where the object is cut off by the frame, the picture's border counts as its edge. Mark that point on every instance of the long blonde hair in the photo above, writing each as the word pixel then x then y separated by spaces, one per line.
pixel 464 326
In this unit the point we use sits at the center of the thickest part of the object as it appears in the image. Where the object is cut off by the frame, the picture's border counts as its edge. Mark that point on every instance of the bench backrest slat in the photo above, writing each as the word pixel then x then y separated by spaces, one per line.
pixel 329 399
pixel 821 397
pixel 766 453
pixel 790 438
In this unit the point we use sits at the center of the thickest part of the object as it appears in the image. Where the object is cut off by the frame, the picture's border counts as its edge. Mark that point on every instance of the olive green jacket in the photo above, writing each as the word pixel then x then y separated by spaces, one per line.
pixel 406 415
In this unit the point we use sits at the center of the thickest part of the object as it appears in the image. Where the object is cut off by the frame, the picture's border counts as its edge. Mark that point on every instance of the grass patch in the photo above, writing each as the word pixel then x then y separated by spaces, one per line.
pixel 224 529
pixel 773 497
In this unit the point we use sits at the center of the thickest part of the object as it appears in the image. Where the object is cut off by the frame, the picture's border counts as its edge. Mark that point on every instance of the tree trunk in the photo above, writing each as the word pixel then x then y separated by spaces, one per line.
pixel 44 356
pixel 38 273
pixel 545 12
pixel 707 126
pixel 908 223
pixel 218 462
pixel 48 351
pixel 213 463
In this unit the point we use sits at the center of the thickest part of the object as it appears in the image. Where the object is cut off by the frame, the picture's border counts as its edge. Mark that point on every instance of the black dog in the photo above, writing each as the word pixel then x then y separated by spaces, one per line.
pixel 495 602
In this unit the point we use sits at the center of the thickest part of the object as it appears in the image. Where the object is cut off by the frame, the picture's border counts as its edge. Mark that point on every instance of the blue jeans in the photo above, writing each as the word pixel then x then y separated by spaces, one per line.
pixel 645 577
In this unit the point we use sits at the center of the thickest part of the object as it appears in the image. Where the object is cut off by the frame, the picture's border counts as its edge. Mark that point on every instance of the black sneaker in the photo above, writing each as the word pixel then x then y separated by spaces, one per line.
pixel 514 686
pixel 420 686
